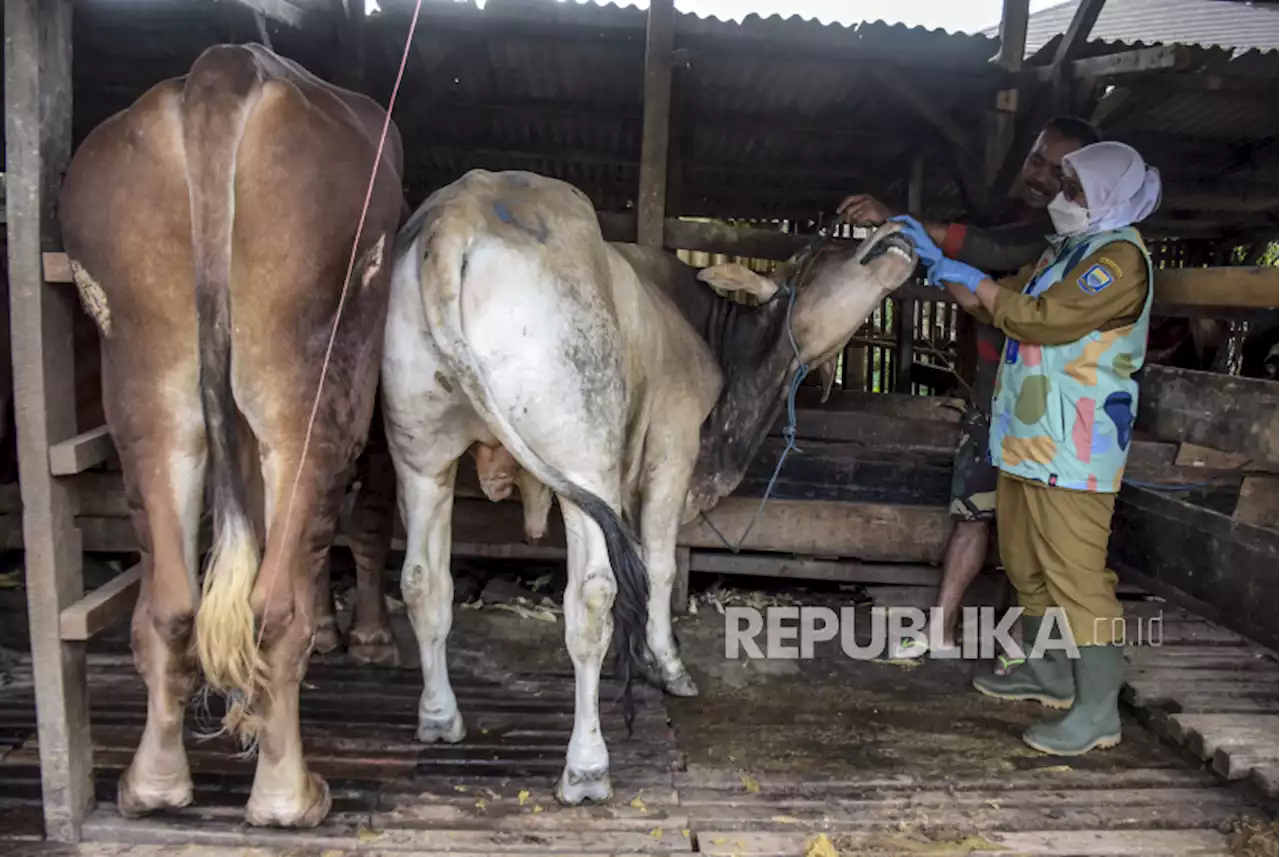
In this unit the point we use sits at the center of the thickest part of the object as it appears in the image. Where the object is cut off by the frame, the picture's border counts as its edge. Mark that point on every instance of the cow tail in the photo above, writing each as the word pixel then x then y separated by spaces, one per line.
pixel 220 92
pixel 442 255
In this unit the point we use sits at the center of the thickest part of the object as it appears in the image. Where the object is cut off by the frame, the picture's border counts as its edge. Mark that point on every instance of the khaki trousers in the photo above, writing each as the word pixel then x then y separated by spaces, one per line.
pixel 1053 543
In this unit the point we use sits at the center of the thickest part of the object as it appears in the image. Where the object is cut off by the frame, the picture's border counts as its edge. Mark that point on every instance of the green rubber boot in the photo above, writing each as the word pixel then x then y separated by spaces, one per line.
pixel 1094 720
pixel 1046 680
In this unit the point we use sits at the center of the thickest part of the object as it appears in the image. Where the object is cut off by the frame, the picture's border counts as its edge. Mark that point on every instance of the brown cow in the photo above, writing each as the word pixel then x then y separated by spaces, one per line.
pixel 209 228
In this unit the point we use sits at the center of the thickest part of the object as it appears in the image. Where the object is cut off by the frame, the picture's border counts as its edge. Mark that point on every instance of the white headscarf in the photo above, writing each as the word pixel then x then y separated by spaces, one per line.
pixel 1119 187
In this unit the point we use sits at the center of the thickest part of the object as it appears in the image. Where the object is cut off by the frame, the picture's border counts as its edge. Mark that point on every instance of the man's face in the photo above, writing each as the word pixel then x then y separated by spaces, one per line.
pixel 1041 176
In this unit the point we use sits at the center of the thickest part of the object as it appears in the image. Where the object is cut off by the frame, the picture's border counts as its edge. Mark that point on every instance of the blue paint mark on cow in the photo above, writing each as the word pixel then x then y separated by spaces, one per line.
pixel 1119 406
pixel 504 214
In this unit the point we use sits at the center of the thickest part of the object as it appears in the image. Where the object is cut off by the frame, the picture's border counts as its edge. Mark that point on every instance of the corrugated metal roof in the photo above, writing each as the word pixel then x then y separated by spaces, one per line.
pixel 780 118
pixel 1210 23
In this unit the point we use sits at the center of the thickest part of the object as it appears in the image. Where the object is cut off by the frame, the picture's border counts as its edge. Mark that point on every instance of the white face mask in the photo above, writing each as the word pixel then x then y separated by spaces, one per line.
pixel 1069 218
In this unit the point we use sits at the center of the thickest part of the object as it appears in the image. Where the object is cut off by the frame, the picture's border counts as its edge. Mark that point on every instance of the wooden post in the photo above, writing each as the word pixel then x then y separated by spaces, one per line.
pixel 679 131
pixel 680 588
pixel 38 148
pixel 904 309
pixel 657 120
pixel 349 21
pixel 1013 44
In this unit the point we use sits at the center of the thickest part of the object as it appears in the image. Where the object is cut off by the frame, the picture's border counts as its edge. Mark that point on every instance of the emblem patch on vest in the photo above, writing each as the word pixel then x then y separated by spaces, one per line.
pixel 1094 280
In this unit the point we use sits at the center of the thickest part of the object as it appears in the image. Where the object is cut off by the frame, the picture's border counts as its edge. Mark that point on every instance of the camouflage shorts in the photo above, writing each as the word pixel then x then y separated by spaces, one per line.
pixel 973 476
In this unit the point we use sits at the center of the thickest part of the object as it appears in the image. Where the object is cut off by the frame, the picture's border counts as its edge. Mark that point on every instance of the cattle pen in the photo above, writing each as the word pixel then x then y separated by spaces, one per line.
pixel 717 140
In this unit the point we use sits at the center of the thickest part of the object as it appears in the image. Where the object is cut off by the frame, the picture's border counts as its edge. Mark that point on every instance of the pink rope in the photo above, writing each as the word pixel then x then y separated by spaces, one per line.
pixel 333 334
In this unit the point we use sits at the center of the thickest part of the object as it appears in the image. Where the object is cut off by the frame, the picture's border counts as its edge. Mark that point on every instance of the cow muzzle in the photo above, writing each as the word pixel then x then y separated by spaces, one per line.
pixel 887 240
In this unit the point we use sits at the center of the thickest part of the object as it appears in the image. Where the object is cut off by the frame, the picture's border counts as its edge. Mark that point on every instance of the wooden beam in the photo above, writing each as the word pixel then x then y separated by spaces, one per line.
pixel 1201 560
pixel 1178 290
pixel 1162 58
pixel 37 96
pixel 101 608
pixel 81 452
pixel 1077 31
pixel 1013 33
pixel 870 532
pixel 1232 414
pixel 1257 504
pixel 285 12
pixel 1241 287
pixel 807 568
pixel 655 137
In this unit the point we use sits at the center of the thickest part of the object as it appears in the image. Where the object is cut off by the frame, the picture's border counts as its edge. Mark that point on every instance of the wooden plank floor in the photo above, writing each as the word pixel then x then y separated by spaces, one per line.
pixel 488 795
pixel 491 794
pixel 1211 691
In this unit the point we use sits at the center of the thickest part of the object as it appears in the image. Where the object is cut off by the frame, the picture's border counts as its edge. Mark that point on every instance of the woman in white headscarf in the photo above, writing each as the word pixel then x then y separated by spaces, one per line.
pixel 1061 425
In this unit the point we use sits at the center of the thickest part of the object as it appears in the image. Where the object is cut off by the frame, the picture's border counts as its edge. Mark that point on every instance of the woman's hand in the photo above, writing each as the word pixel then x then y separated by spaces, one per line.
pixel 951 271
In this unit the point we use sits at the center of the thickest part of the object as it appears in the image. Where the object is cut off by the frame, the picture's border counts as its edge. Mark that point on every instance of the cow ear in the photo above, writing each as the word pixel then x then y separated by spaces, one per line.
pixel 732 277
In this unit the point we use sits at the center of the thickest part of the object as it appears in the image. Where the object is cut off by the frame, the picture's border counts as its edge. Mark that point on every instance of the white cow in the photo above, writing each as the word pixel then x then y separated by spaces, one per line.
pixel 633 392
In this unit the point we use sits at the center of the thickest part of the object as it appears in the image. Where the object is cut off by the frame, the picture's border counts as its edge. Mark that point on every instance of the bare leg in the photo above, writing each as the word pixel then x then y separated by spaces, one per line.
pixel 966 553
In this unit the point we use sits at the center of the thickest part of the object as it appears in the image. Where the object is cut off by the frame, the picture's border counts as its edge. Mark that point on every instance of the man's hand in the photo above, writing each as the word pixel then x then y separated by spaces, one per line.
pixel 863 210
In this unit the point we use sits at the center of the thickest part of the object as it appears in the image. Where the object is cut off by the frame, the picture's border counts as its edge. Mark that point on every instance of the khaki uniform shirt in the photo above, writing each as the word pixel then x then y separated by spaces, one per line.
pixel 1066 312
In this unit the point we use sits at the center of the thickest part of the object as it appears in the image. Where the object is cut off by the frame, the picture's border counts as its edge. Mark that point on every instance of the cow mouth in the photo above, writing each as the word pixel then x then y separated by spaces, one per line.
pixel 891 243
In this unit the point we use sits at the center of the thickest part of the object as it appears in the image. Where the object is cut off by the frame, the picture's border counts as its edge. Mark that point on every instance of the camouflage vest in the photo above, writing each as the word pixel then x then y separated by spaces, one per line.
pixel 1063 414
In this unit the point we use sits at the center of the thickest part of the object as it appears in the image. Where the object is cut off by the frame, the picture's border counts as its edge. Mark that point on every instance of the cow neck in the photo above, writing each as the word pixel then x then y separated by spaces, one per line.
pixel 753 350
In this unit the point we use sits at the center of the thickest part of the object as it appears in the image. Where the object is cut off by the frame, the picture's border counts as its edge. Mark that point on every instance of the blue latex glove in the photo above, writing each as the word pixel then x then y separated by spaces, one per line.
pixel 955 272
pixel 925 248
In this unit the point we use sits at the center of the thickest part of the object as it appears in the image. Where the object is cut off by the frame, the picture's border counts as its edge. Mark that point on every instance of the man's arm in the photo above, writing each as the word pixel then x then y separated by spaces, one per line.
pixel 998 248
pixel 1105 290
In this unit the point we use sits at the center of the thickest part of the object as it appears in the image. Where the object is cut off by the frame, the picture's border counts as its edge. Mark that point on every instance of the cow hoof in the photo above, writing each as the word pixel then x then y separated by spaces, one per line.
pixel 288 810
pixel 681 684
pixel 327 639
pixel 134 802
pixel 578 786
pixel 450 731
pixel 373 647
pixel 375 654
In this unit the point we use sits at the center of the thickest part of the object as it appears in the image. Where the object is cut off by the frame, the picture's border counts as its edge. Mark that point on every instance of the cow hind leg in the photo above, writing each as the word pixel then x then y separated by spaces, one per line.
pixel 164 477
pixel 588 600
pixel 370 639
pixel 663 500
pixel 327 637
pixel 425 480
pixel 285 792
